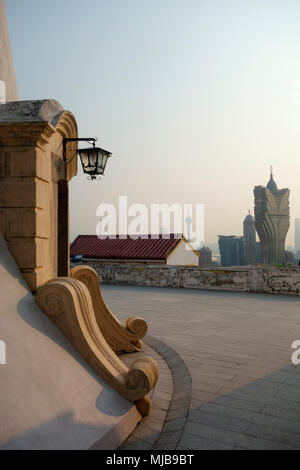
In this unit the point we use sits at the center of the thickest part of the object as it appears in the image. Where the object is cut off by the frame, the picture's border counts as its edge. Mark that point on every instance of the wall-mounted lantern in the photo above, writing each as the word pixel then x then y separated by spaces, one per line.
pixel 93 159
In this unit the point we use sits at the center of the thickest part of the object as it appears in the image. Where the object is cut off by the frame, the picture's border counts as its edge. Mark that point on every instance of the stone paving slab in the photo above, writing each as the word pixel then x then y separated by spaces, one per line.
pixel 163 428
pixel 237 347
pixel 148 431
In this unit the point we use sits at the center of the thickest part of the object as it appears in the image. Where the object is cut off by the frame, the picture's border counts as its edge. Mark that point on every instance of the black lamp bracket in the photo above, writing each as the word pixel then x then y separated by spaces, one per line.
pixel 90 140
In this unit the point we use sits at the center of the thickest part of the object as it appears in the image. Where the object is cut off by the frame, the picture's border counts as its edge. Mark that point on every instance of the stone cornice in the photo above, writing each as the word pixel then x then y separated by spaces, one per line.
pixel 33 123
pixel 17 134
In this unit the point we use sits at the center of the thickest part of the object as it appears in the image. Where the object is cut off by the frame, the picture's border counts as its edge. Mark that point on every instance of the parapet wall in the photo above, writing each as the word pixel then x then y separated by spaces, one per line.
pixel 269 280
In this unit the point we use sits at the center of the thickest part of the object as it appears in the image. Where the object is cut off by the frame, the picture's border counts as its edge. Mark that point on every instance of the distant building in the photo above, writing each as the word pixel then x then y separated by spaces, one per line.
pixel 258 253
pixel 137 250
pixel 249 240
pixel 205 256
pixel 215 253
pixel 231 250
pixel 297 234
pixel 289 257
pixel 272 220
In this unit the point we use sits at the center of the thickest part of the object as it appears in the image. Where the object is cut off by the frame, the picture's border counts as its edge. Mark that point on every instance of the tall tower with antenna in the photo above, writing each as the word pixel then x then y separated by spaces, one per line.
pixel 188 223
pixel 272 220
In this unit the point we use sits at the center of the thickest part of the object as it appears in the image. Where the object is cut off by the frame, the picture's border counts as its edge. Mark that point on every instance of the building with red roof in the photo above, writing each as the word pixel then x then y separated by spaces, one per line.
pixel 167 249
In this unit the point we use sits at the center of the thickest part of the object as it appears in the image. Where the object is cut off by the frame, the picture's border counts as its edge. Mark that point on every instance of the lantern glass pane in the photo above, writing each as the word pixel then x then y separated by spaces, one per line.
pixel 100 157
pixel 104 160
pixel 84 156
pixel 93 158
pixel 102 163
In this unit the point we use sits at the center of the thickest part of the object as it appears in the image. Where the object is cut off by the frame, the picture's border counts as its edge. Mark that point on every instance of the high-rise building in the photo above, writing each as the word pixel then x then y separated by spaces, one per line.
pixel 258 252
pixel 205 257
pixel 289 257
pixel 249 240
pixel 231 250
pixel 272 220
pixel 297 234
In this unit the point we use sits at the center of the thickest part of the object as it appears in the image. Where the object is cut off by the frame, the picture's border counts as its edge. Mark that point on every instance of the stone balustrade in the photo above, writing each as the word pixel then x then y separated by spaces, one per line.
pixel 259 279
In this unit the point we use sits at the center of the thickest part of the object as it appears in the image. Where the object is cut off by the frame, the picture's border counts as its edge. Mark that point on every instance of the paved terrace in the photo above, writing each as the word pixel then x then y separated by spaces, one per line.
pixel 237 346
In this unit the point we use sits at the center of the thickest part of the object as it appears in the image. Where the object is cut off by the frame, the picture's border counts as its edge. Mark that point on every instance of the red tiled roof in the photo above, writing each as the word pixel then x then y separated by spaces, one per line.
pixel 158 248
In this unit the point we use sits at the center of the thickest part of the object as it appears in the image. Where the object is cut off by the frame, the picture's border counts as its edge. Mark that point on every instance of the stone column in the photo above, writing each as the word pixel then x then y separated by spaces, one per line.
pixel 31 170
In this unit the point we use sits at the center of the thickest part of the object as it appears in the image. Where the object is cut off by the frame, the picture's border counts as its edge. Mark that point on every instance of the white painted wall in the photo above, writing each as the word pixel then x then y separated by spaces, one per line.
pixel 7 71
pixel 180 256
pixel 49 397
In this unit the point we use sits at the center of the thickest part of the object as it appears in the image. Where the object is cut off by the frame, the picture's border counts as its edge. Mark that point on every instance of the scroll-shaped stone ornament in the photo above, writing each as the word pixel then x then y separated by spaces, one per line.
pixel 68 303
pixel 119 338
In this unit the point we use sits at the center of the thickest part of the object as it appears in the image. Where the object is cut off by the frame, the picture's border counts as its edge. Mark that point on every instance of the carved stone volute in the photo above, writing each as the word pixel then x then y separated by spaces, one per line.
pixel 68 303
pixel 119 338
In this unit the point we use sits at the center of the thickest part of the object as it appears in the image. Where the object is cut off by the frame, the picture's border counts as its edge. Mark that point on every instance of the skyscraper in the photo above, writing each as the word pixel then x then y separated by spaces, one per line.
pixel 231 250
pixel 297 234
pixel 205 257
pixel 249 240
pixel 272 220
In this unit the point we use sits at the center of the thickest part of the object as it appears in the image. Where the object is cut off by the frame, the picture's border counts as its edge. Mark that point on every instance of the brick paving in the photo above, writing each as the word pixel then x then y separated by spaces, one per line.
pixel 237 346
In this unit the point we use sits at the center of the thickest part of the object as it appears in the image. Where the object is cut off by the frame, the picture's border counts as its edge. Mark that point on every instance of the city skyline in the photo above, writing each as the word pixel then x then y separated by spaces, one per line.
pixel 195 100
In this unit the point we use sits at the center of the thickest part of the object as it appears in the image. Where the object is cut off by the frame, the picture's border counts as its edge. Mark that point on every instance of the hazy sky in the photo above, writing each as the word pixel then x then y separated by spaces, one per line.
pixel 194 98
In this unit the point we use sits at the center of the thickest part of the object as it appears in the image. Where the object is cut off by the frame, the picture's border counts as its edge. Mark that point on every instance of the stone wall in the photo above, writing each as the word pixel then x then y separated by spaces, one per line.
pixel 265 279
pixel 31 166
